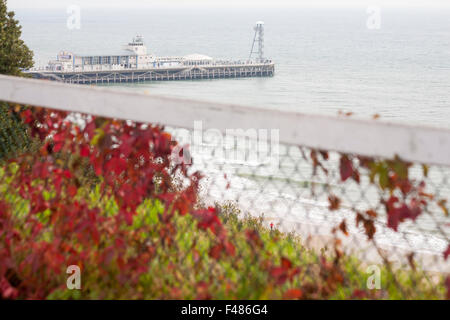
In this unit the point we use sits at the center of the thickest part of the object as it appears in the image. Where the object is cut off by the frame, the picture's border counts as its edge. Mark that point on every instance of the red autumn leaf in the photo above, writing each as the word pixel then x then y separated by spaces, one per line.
pixel 345 168
pixel 230 249
pixel 415 208
pixel 7 291
pixel 284 272
pixel 293 294
pixel 89 129
pixel 216 251
pixel 72 190
pixel 335 202
pixel 58 146
pixel 127 144
pixel 404 185
pixel 447 252
pixel 324 154
pixel 343 227
pixel 316 163
pixel 208 219
pixel 368 224
pixel 371 213
pixel 107 255
pixel 254 238
pixel 97 163
pixel 60 137
pixel 27 116
pixel 286 263
pixel 67 174
pixel 85 151
pixel 294 272
pixel 128 215
pixel 398 213
pixel 202 291
pixel 394 213
pixel 279 274
pixel 116 165
pixel 359 294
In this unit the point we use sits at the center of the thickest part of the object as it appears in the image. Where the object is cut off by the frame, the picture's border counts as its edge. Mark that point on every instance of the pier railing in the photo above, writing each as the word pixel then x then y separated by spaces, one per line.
pixel 183 64
pixel 375 191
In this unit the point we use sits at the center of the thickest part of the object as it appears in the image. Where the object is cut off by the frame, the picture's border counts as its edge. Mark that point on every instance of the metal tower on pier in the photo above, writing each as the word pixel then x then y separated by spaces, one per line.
pixel 258 41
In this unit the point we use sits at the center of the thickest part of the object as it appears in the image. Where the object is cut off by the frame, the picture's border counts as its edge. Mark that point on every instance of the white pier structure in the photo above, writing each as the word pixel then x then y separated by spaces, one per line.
pixel 136 64
pixel 258 41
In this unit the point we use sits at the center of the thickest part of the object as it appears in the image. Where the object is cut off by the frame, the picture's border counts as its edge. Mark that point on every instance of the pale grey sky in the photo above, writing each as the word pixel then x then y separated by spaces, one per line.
pixel 226 3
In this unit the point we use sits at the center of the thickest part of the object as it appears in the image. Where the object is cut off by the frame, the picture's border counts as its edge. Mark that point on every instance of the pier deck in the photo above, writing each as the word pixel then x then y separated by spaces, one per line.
pixel 212 71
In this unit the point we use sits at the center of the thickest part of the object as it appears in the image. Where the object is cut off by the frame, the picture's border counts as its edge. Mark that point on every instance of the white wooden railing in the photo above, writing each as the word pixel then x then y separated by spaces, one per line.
pixel 363 137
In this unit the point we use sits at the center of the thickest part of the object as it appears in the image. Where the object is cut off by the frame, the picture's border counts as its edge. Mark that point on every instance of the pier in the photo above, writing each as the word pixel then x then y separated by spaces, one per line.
pixel 136 64
pixel 209 71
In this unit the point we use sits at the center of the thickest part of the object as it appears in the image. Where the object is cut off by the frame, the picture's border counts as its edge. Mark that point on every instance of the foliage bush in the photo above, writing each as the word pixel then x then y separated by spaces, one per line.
pixel 14 54
pixel 14 139
pixel 14 57
pixel 101 194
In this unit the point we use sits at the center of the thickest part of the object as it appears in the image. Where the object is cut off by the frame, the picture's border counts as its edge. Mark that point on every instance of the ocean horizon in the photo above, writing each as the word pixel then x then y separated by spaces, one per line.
pixel 327 60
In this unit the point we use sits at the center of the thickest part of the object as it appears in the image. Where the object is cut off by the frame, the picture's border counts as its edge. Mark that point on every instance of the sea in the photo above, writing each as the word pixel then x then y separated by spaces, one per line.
pixel 328 61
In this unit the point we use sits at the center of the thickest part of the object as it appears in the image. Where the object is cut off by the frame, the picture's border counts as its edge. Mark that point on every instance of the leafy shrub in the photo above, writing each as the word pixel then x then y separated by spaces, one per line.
pixel 14 56
pixel 13 133
pixel 100 194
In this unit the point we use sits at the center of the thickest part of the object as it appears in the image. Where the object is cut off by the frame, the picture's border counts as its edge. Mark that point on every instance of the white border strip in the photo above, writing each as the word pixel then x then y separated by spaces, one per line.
pixel 367 138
